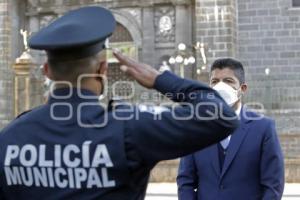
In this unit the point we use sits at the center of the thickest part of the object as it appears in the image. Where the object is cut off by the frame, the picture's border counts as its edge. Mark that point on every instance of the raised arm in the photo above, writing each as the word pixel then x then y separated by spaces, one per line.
pixel 204 118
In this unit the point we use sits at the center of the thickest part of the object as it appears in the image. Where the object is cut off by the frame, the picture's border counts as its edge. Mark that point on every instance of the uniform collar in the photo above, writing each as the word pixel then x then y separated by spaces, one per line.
pixel 72 95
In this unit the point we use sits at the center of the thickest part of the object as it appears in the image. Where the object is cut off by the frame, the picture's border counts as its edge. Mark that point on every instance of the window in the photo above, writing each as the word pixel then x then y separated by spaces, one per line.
pixel 296 3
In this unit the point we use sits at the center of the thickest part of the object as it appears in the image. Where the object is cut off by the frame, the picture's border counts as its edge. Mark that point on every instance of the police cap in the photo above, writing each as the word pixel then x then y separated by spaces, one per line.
pixel 78 34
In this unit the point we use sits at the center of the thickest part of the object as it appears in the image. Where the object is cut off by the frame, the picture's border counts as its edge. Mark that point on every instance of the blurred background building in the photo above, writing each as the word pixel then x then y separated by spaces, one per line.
pixel 184 36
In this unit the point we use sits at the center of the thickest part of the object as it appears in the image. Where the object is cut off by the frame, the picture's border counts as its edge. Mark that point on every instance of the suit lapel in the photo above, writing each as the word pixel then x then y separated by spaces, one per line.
pixel 235 142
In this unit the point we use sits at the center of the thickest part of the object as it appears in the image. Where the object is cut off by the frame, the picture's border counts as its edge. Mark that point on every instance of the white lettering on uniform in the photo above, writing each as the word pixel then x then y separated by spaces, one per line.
pixel 80 176
pixel 106 182
pixel 66 155
pixel 50 175
pixel 12 176
pixel 42 157
pixel 31 165
pixel 93 179
pixel 27 178
pixel 12 152
pixel 71 177
pixel 57 155
pixel 101 156
pixel 31 150
pixel 57 176
pixel 86 153
pixel 40 177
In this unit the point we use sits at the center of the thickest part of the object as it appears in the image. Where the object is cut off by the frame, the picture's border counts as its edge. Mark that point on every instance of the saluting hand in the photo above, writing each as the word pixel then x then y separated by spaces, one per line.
pixel 142 73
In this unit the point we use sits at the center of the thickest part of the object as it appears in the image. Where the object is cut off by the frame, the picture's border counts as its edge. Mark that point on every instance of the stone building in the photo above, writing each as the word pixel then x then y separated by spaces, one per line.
pixel 263 34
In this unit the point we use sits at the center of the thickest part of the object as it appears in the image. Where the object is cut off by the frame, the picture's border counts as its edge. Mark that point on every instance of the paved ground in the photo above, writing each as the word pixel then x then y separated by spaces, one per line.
pixel 168 191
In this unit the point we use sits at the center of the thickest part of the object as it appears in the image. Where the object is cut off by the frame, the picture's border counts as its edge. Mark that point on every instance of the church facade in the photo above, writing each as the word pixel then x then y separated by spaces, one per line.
pixel 263 34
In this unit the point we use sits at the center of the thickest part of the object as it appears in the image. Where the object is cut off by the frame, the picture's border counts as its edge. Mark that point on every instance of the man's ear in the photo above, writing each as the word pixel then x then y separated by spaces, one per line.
pixel 244 88
pixel 47 71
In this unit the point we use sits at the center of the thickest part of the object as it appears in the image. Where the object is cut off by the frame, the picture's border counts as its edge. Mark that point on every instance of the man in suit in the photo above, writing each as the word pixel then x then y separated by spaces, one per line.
pixel 246 165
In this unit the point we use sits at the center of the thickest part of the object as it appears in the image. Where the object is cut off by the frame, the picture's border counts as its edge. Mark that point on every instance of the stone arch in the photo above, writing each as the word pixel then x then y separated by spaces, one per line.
pixel 121 34
pixel 128 21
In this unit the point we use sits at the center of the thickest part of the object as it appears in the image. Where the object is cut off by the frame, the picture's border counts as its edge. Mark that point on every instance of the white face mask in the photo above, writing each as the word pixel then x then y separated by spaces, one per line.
pixel 228 93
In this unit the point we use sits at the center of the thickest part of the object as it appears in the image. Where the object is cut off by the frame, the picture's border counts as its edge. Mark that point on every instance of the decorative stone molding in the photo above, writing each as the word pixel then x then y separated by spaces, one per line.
pixel 164 22
pixel 45 20
pixel 126 19
pixel 32 3
pixel 135 12
pixel 6 84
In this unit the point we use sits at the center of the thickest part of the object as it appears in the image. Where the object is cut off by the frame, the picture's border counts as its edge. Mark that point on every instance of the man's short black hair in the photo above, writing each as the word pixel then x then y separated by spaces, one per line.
pixel 71 70
pixel 234 65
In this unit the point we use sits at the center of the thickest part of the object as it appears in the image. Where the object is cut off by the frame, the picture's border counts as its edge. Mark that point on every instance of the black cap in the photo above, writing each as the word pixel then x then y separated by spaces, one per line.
pixel 78 34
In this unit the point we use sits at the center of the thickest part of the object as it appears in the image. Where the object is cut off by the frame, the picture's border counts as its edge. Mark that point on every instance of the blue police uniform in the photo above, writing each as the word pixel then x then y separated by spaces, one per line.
pixel 73 147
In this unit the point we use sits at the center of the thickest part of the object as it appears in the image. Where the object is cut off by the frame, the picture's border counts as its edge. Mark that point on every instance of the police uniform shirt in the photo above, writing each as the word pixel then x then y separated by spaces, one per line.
pixel 49 154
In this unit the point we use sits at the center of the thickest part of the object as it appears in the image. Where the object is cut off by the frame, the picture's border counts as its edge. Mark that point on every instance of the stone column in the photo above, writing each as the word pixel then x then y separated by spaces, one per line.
pixel 22 83
pixel 148 36
pixel 184 34
pixel 6 86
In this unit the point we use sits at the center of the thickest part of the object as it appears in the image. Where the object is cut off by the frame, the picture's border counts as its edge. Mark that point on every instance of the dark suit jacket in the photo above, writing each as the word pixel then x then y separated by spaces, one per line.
pixel 253 167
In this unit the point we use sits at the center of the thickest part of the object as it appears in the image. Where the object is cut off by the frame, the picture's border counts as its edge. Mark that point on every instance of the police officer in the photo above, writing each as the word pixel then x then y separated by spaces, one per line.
pixel 74 148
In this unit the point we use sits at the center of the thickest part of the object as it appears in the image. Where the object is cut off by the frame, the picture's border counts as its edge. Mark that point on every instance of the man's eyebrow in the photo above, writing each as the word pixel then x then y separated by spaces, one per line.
pixel 229 78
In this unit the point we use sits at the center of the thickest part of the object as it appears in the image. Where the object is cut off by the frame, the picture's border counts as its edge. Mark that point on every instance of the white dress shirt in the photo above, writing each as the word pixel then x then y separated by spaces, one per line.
pixel 225 142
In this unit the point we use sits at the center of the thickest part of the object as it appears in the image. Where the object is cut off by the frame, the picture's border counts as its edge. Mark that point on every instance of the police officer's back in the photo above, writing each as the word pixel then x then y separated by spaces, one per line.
pixel 74 148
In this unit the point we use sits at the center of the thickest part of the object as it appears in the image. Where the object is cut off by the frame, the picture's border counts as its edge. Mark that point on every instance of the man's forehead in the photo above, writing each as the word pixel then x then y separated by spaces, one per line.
pixel 223 73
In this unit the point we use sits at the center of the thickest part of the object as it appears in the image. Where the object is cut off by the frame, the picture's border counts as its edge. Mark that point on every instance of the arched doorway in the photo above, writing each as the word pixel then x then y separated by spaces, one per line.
pixel 121 34
pixel 126 37
pixel 120 85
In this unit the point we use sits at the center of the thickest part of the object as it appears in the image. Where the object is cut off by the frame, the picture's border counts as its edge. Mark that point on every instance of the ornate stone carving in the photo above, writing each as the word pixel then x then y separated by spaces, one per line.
pixel 46 19
pixel 32 3
pixel 46 2
pixel 25 34
pixel 135 12
pixel 164 21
